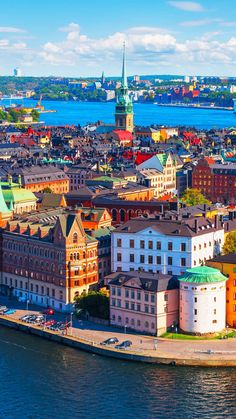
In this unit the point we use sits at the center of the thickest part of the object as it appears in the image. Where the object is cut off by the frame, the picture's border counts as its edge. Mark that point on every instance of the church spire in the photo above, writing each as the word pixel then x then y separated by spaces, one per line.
pixel 124 77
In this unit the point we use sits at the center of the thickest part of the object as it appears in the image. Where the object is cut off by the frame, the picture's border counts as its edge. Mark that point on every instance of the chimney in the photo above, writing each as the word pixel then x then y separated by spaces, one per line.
pixel 196 225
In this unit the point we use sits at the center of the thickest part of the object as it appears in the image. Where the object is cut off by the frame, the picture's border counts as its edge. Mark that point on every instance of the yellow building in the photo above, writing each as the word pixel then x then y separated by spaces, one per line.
pixel 227 265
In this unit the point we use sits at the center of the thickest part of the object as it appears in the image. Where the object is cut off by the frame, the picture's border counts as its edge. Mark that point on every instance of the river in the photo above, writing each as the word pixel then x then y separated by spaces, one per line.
pixel 41 379
pixel 145 114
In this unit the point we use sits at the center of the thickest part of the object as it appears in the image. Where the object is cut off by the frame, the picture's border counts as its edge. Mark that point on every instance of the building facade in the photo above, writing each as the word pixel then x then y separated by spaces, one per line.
pixel 143 302
pixel 202 306
pixel 227 265
pixel 48 259
pixel 166 245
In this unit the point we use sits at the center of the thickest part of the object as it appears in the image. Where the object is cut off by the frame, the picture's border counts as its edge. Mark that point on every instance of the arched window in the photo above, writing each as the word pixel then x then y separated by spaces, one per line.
pixel 75 238
pixel 114 214
pixel 147 325
pixel 77 256
pixel 122 215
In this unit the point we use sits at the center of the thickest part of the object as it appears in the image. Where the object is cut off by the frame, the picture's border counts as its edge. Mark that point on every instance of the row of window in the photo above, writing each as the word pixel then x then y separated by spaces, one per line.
pixel 133 322
pixel 149 309
pixel 135 295
pixel 150 259
pixel 33 288
pixel 150 245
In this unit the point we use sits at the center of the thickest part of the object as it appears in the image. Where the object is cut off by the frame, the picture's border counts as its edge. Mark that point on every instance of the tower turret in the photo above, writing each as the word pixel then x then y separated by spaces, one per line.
pixel 124 107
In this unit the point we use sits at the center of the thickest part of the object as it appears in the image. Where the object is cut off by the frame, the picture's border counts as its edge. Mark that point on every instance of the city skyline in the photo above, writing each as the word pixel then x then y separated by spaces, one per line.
pixel 178 37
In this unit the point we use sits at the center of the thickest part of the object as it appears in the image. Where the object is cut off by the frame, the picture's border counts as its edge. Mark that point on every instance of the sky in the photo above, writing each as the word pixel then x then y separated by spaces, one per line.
pixel 78 38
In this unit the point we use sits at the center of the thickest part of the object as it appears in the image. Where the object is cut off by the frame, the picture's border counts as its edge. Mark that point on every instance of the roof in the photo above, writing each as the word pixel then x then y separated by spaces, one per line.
pixel 148 282
pixel 202 275
pixel 14 193
pixel 53 200
pixel 184 227
pixel 230 258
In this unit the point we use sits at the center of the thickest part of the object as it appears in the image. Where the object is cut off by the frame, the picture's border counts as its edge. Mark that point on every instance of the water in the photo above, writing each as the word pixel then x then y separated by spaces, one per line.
pixel 145 114
pixel 41 379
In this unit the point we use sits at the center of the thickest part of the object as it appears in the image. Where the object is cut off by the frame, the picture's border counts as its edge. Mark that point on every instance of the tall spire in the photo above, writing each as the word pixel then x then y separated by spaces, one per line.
pixel 124 77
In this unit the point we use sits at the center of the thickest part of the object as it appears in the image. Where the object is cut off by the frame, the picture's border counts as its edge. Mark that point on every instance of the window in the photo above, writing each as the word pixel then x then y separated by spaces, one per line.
pixel 138 307
pixel 152 310
pixel 170 260
pixel 142 259
pixel 119 242
pixel 166 309
pixel 146 297
pixel 131 244
pixel 150 245
pixel 127 305
pixel 195 311
pixel 147 325
pixel 234 296
pixel 183 262
pixel 214 321
pixel 142 244
pixel 158 260
pixel 119 257
pixel 195 299
pixel 127 293
pixel 150 260
pixel 138 295
pixel 158 245
pixel 170 246
pixel 132 306
pixel 118 303
pixel 75 238
pixel 214 311
pixel 131 257
pixel 152 298
pixel 183 247
pixel 169 272
pixel 146 309
pixel 118 292
pixel 132 295
pixel 166 297
pixel 138 323
pixel 214 299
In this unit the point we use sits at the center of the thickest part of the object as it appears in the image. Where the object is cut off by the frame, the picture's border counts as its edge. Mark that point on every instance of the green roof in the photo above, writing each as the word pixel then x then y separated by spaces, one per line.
pixel 202 275
pixel 13 193
pixel 109 179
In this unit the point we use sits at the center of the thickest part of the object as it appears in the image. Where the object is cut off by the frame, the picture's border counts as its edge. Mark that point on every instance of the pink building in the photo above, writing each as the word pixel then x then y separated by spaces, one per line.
pixel 144 302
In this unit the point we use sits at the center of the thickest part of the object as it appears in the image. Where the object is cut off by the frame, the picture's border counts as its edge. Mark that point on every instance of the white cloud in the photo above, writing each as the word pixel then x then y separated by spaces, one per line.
pixel 188 6
pixel 10 29
pixel 200 22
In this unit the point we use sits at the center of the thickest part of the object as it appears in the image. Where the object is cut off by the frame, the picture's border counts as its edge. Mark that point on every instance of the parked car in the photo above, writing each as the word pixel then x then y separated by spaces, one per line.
pixel 10 311
pixel 49 323
pixel 3 309
pixel 109 341
pixel 124 345
pixel 25 317
pixel 48 311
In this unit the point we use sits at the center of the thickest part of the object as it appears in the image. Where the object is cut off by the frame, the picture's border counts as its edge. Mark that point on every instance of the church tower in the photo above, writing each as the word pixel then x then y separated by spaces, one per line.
pixel 124 114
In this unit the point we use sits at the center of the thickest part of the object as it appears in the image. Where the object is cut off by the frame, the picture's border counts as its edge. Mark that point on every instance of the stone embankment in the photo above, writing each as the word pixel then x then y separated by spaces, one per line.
pixel 223 354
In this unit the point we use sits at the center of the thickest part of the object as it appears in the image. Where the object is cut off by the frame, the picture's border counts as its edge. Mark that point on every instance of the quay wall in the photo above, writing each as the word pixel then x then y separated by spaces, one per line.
pixel 129 355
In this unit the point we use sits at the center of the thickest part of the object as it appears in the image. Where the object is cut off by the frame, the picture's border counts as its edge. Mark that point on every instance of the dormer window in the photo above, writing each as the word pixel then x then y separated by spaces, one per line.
pixel 75 238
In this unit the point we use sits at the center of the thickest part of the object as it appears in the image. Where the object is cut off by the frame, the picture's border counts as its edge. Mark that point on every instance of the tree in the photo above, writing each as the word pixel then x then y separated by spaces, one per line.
pixel 47 190
pixel 194 197
pixel 230 243
pixel 95 303
pixel 35 115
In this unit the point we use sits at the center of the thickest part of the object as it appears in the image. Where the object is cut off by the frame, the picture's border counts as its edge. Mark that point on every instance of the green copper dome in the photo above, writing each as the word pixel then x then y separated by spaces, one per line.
pixel 202 275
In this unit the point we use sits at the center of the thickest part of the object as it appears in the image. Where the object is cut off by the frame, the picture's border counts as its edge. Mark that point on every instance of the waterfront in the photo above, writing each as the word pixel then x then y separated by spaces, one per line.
pixel 40 379
pixel 145 114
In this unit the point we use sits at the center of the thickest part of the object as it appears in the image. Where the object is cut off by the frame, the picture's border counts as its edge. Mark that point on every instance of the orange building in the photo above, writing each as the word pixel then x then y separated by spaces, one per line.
pixel 95 218
pixel 48 261
pixel 227 265
pixel 38 178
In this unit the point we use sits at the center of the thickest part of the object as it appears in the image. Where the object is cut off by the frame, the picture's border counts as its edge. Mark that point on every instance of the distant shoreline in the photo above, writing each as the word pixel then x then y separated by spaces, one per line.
pixel 192 106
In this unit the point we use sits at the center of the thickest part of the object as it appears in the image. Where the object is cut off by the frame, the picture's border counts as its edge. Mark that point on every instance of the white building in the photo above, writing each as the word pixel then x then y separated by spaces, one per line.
pixel 165 245
pixel 202 306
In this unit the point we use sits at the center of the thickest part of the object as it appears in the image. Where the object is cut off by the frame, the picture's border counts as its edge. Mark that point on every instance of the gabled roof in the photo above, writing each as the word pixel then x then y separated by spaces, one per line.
pixel 147 282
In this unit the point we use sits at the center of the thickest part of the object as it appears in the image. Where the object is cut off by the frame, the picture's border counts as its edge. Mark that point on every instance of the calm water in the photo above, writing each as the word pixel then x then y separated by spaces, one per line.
pixel 40 379
pixel 83 112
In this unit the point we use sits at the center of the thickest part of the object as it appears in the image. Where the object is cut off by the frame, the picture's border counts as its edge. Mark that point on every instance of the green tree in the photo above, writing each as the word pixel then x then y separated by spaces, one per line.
pixel 35 115
pixel 47 190
pixel 95 303
pixel 193 197
pixel 230 243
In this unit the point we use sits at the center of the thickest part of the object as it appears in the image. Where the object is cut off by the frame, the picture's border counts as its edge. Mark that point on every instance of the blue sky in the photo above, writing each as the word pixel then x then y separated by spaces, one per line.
pixel 83 38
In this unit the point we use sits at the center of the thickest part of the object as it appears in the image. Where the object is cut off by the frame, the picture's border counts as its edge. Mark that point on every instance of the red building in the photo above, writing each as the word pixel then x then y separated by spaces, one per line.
pixel 216 181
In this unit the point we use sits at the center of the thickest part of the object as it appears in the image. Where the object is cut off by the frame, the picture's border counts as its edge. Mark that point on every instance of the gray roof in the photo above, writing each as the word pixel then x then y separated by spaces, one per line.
pixel 148 282
pixel 184 227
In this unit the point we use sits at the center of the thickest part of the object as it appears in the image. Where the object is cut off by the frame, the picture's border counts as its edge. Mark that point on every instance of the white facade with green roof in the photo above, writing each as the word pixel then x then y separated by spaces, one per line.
pixel 17 198
pixel 202 307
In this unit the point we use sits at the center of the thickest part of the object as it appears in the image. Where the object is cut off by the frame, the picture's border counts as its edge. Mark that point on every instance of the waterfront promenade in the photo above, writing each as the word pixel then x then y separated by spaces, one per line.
pixel 87 336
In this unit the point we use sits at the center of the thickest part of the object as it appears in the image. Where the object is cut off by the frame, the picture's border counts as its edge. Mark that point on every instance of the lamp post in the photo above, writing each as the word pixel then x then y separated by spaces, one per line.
pixel 71 323
pixel 125 326
pixel 27 305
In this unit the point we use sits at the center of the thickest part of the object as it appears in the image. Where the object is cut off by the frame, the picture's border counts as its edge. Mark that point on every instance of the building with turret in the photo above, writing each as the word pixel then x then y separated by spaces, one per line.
pixel 124 114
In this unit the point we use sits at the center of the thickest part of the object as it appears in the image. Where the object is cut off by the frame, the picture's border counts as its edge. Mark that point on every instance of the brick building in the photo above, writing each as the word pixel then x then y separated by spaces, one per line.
pixel 48 258
pixel 215 180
